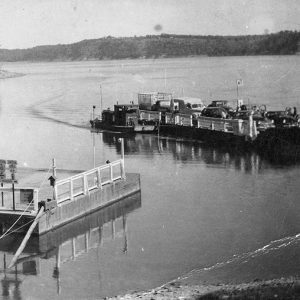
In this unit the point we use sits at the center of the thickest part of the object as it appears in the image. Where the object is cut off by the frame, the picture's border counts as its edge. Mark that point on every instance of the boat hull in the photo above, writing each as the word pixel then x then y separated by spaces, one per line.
pixel 99 125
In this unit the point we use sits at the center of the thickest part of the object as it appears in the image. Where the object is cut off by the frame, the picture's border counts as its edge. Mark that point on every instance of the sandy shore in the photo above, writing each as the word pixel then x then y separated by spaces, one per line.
pixel 6 74
pixel 283 288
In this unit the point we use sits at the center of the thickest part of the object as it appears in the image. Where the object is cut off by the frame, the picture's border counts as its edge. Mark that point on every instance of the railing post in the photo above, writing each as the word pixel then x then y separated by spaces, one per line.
pixel 71 189
pixel 85 189
pixel 99 184
pixel 122 159
pixel 111 173
pixel 55 192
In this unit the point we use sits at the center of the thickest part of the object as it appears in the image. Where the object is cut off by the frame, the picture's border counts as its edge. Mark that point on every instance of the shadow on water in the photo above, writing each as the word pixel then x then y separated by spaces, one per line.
pixel 64 244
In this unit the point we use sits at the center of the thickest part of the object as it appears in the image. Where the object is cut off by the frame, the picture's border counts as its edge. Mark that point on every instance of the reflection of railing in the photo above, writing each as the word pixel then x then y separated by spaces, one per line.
pixel 76 246
pixel 82 183
pixel 20 198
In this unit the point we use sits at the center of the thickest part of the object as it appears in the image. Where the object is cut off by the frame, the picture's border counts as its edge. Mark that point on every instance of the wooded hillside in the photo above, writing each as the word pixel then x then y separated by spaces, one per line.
pixel 164 45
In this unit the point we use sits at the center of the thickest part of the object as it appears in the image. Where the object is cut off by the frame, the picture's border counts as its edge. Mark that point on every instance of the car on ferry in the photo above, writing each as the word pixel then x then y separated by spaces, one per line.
pixel 285 118
pixel 259 117
pixel 225 104
pixel 214 112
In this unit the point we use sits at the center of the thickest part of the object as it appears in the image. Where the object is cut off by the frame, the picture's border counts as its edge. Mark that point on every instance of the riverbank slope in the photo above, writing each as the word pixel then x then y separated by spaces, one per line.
pixel 283 288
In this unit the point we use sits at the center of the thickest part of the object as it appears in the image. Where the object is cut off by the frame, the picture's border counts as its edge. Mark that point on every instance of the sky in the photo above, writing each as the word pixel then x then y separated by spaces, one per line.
pixel 29 23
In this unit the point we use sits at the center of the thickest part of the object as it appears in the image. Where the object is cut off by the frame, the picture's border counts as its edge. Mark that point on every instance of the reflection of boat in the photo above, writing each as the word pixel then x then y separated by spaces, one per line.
pixel 127 118
pixel 187 151
pixel 65 244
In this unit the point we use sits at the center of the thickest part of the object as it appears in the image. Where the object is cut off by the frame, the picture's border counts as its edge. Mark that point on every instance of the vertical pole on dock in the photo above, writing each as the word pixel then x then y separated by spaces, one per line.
pixel 122 158
pixel 93 115
pixel 54 176
pixel 101 107
pixel 2 194
pixel 94 150
pixel 13 190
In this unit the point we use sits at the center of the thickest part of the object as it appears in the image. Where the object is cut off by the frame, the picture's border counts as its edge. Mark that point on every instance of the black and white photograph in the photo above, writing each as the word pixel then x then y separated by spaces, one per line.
pixel 149 149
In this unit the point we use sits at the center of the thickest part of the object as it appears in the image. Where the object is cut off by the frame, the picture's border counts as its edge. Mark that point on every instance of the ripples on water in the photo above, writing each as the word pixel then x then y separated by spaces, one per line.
pixel 231 215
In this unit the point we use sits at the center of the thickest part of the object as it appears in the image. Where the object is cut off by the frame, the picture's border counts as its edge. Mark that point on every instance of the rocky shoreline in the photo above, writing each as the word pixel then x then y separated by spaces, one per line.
pixel 283 288
pixel 6 74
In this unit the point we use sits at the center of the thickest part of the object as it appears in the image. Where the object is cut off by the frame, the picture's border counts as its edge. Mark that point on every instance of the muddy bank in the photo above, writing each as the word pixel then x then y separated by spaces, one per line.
pixel 284 288
pixel 6 74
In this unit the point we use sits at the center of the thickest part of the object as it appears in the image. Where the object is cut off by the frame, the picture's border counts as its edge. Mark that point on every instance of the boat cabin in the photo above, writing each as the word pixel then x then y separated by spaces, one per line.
pixel 108 116
pixel 126 114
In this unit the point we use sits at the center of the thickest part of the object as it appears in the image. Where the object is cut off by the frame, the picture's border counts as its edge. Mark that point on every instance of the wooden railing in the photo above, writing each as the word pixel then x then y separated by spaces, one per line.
pixel 150 115
pixel 83 183
pixel 234 126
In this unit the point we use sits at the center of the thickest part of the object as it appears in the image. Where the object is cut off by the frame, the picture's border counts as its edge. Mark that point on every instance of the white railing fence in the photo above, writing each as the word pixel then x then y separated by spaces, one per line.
pixel 149 115
pixel 235 126
pixel 83 183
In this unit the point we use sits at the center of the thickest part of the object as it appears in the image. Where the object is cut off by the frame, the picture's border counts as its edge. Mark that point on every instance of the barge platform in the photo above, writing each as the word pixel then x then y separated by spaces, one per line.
pixel 67 199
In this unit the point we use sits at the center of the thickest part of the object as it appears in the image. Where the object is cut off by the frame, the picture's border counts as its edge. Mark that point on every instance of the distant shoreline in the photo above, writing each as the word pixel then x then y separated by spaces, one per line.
pixel 160 46
pixel 6 74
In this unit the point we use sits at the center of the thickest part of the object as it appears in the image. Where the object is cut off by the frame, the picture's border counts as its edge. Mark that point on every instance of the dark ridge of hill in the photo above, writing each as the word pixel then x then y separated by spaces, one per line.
pixel 164 45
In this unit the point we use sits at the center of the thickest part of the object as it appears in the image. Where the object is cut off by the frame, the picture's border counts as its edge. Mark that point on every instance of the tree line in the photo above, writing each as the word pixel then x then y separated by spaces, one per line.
pixel 164 45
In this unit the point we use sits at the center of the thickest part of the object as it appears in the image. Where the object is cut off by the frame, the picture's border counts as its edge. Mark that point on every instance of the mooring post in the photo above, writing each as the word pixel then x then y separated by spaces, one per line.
pixel 13 190
pixel 54 178
pixel 122 158
pixel 93 115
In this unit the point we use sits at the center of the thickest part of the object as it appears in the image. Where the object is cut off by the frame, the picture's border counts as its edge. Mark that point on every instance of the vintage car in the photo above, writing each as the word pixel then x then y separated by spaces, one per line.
pixel 225 104
pixel 286 118
pixel 259 117
pixel 214 112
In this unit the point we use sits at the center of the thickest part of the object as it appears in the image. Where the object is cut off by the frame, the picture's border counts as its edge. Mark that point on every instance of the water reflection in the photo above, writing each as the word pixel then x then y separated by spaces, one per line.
pixel 186 151
pixel 65 244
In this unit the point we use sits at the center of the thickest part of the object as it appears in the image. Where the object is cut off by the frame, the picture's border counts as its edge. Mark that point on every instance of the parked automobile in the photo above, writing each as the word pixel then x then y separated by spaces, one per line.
pixel 214 112
pixel 286 118
pixel 225 104
pixel 262 122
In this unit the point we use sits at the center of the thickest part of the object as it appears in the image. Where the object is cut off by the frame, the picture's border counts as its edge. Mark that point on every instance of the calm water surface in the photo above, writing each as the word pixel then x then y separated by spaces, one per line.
pixel 233 216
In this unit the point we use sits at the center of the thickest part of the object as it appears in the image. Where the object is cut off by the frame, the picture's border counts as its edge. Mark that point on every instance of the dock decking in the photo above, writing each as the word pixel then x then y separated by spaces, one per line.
pixel 67 199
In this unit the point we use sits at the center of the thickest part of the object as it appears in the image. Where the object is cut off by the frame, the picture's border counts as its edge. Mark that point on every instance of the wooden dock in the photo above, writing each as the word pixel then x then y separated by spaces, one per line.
pixel 65 199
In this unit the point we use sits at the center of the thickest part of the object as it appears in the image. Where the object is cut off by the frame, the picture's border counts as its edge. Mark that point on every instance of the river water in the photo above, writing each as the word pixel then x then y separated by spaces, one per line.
pixel 233 216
